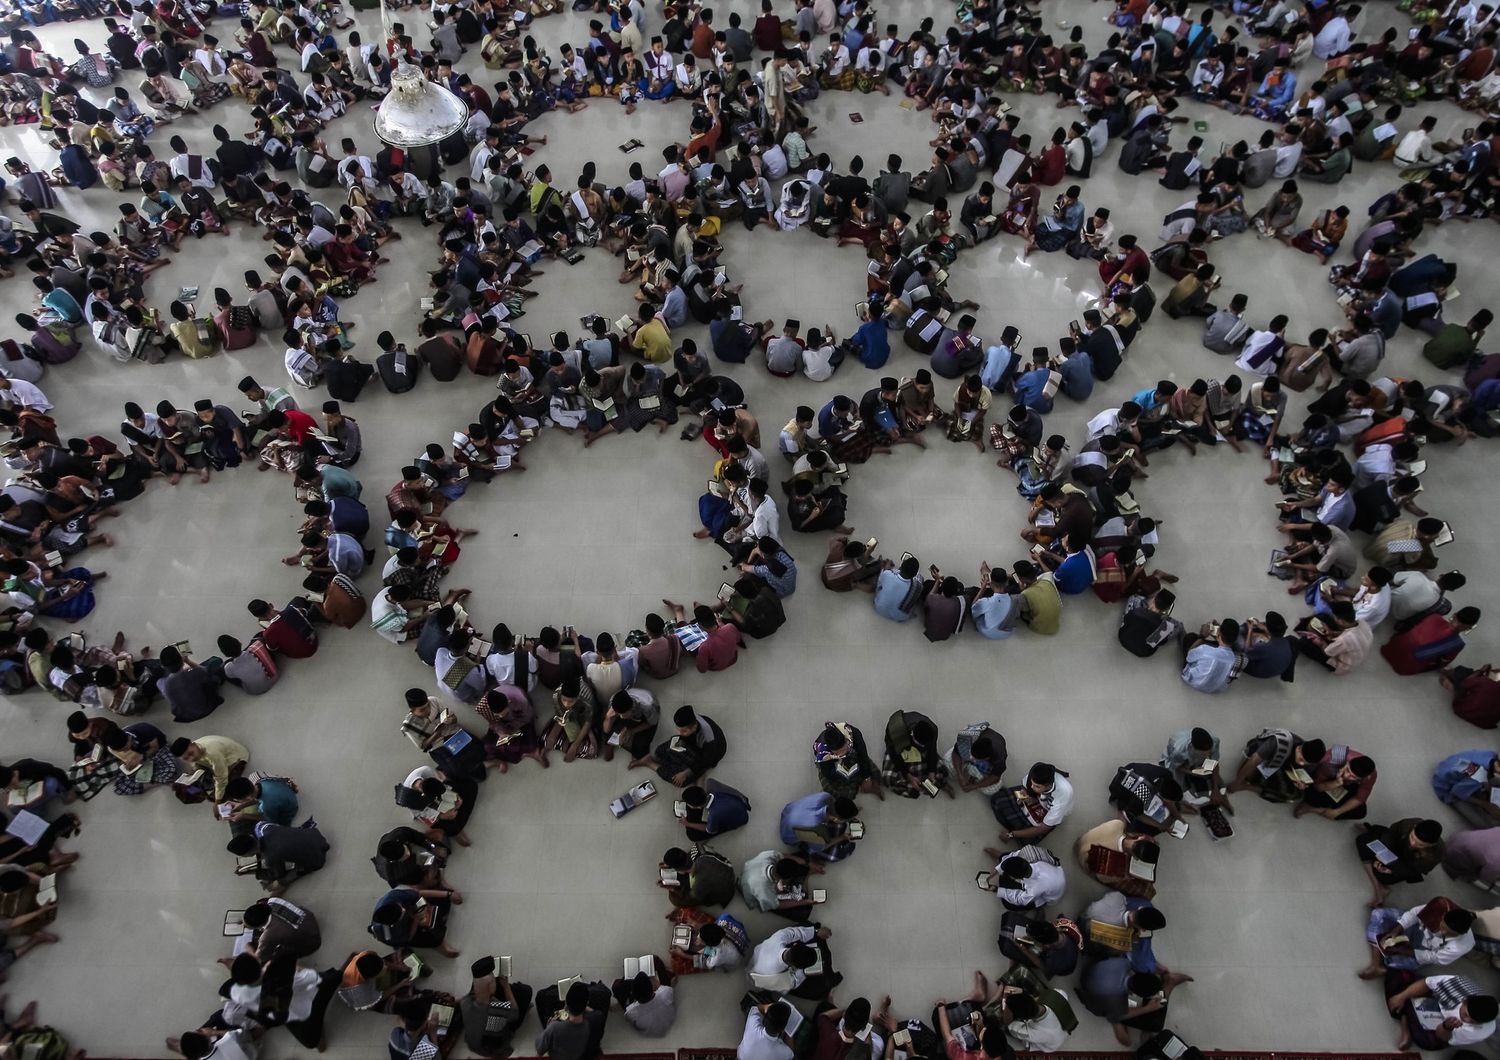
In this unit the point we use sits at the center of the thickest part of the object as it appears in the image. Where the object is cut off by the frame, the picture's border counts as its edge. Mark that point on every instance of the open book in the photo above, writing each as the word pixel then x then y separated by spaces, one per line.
pixel 636 965
pixel 27 827
pixel 24 796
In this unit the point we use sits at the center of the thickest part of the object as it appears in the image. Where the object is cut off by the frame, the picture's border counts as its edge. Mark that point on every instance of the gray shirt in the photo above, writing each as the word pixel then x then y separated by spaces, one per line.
pixel 784 355
pixel 654 1018
pixel 563 1039
pixel 249 673
pixel 1359 357
pixel 1224 332
pixel 1258 168
pixel 488 1029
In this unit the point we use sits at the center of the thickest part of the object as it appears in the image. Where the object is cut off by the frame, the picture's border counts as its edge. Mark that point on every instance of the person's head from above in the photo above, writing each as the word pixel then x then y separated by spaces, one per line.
pixel 1014 870
pixel 1144 985
pixel 801 955
pixel 1428 528
pixel 577 1000
pixel 1148 918
pixel 1309 752
pixel 843 808
pixel 910 566
pixel 1465 619
pixel 685 718
pixel 244 845
pixel 240 788
pixel 1451 581
pixel 778 1014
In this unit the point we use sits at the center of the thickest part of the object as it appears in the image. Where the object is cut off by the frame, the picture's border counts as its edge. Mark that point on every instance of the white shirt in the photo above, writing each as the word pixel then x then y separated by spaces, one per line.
pixel 1257 341
pixel 1287 157
pixel 837 57
pixel 1206 74
pixel 502 667
pixel 213 61
pixel 817 364
pixel 1446 951
pixel 1044 1034
pixel 1412 592
pixel 1332 39
pixel 1415 147
pixel 22 394
pixel 302 367
pixel 1059 801
pixel 1376 462
pixel 765 521
pixel 1107 422
pixel 767 958
pixel 179 167
pixel 758 1045
pixel 1044 886
pixel 1464 1033
pixel 236 1045
pixel 1372 608
pixel 382 608
pixel 479 163
pixel 658 67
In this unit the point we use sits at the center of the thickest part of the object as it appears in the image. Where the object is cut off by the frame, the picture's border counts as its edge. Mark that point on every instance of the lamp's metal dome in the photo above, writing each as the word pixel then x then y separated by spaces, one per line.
pixel 417 112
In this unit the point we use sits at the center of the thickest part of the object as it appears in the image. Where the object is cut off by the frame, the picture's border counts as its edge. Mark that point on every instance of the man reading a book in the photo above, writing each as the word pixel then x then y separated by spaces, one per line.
pixel 492 1010
pixel 649 1001
pixel 1121 859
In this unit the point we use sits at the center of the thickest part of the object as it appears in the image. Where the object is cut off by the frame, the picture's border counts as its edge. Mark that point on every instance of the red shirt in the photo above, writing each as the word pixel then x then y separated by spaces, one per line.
pixel 1052 164
pixel 298 423
pixel 290 637
pixel 1477 700
pixel 720 650
pixel 1326 771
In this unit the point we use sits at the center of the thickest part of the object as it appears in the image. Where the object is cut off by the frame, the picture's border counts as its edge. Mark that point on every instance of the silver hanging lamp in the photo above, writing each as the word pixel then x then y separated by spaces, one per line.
pixel 416 111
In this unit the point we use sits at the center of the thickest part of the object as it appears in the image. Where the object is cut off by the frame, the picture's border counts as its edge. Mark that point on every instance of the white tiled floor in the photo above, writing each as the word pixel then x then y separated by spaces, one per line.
pixel 1270 924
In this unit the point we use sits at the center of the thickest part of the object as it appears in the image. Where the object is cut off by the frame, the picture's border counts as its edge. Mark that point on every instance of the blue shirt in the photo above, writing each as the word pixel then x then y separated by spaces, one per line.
pixel 1142 957
pixel 994 615
pixel 1031 389
pixel 1146 398
pixel 999 362
pixel 890 591
pixel 1460 777
pixel 1077 371
pixel 63 304
pixel 810 811
pixel 1075 574
pixel 1104 988
pixel 873 341
pixel 731 340
pixel 783 584
pixel 1209 667
pixel 1283 93
pixel 278 802
pixel 346 515
pixel 674 309
pixel 346 555
pixel 727 811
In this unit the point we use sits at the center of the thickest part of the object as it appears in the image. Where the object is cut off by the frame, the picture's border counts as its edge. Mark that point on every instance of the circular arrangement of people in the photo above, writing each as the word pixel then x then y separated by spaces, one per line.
pixel 772 530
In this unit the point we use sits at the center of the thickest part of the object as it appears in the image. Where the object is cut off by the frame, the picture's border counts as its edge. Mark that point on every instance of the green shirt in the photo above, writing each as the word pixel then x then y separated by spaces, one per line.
pixel 1043 606
pixel 339 482
pixel 1451 347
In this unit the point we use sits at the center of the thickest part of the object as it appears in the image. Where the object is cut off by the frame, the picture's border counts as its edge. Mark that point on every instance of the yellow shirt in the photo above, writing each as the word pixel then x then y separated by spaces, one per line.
pixel 653 341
